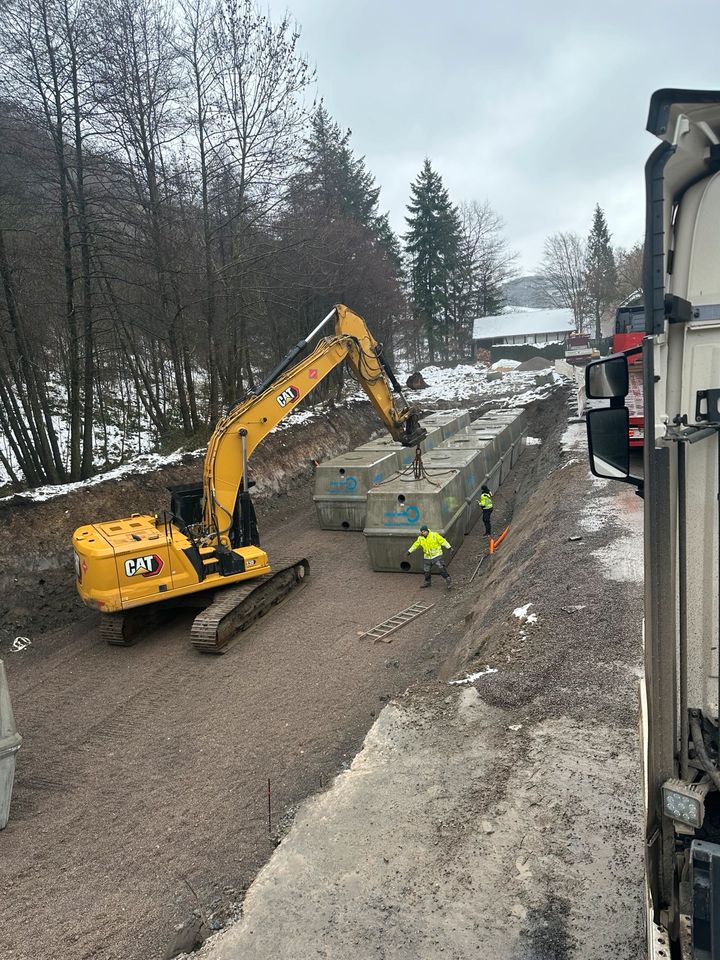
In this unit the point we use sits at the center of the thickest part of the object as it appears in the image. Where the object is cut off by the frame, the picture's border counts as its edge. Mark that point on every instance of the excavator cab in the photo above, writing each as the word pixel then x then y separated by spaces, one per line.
pixel 186 502
pixel 186 510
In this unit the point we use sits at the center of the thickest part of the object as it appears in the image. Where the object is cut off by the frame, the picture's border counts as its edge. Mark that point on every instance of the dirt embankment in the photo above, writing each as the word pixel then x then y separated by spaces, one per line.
pixel 36 579
pixel 575 613
pixel 37 589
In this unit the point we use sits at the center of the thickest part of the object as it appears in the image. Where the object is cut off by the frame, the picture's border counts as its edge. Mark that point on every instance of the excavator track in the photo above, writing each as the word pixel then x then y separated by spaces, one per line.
pixel 125 629
pixel 235 609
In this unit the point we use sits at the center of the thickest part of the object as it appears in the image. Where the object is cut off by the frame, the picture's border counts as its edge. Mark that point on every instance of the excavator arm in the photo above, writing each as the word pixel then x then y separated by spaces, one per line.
pixel 236 435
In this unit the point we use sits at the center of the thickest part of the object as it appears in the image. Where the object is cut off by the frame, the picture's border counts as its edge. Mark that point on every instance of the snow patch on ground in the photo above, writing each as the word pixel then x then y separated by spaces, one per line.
pixel 455 385
pixel 522 613
pixel 591 518
pixel 574 439
pixel 293 419
pixel 505 365
pixel 533 441
pixel 143 464
pixel 622 559
pixel 468 382
pixel 472 677
pixel 148 462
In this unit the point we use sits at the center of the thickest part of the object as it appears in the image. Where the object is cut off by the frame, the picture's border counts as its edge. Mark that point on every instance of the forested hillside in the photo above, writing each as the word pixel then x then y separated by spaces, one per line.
pixel 176 209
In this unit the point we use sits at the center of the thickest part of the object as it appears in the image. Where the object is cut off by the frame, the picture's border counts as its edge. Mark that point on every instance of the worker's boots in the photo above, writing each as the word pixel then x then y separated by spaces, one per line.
pixel 425 583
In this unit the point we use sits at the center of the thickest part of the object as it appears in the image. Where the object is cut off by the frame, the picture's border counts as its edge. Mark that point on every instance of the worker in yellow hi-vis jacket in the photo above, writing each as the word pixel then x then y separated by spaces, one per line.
pixel 432 545
pixel 486 505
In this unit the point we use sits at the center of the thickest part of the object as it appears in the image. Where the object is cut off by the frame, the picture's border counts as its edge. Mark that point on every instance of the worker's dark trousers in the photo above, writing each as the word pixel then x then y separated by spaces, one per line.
pixel 436 565
pixel 486 520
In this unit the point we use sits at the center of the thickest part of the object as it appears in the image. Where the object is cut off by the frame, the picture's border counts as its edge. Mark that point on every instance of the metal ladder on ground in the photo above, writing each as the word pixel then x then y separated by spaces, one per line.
pixel 383 630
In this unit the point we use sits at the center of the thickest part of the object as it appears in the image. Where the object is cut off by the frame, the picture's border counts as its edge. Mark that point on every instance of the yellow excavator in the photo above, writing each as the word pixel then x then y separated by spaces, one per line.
pixel 133 568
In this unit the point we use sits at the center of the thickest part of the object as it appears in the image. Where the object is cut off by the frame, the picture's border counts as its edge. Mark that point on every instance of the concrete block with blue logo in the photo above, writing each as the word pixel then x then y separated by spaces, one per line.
pixel 397 509
pixel 450 421
pixel 475 467
pixel 342 484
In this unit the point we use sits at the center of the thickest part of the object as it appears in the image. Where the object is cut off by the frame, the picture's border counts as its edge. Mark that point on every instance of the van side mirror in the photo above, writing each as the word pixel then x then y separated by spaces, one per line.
pixel 607 379
pixel 609 442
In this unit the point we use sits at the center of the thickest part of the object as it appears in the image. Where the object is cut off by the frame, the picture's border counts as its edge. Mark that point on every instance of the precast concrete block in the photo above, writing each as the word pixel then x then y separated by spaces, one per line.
pixel 491 439
pixel 10 741
pixel 450 421
pixel 397 509
pixel 517 420
pixel 341 486
pixel 405 455
pixel 500 435
pixel 472 465
pixel 465 440
pixel 433 439
pixel 386 445
pixel 516 417
pixel 496 433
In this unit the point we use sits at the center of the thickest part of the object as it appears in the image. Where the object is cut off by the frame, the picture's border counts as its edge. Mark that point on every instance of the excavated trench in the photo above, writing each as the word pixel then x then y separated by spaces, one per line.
pixel 142 786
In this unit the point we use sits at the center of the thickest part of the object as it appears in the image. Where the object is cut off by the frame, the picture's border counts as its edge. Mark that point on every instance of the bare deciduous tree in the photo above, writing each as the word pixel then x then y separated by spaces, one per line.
pixel 563 273
pixel 486 264
pixel 629 265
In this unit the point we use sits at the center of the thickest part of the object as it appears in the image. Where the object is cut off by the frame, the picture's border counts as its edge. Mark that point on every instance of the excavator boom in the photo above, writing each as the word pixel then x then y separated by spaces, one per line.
pixel 237 435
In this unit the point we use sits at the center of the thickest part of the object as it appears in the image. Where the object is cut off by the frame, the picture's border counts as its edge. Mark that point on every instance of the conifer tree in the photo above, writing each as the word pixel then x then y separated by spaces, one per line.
pixel 332 210
pixel 432 244
pixel 600 269
pixel 335 180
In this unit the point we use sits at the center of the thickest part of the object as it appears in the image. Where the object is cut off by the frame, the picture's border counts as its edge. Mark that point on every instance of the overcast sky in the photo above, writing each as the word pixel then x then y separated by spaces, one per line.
pixel 539 108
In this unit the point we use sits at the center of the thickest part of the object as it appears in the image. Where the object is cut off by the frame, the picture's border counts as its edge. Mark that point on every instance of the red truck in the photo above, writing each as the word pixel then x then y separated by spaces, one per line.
pixel 629 333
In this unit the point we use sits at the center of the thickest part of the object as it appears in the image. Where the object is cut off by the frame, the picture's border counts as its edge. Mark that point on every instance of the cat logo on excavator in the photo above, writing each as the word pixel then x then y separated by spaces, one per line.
pixel 289 395
pixel 145 566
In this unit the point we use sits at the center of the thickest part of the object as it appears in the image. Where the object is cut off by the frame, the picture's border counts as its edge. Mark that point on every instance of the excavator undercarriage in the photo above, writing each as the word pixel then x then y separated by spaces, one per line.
pixel 225 613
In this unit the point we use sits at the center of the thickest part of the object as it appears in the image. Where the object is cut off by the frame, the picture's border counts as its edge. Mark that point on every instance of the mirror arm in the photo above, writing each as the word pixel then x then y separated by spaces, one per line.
pixel 638 482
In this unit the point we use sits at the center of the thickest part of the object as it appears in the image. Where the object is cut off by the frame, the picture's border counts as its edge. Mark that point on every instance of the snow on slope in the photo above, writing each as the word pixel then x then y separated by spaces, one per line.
pixel 468 382
pixel 461 384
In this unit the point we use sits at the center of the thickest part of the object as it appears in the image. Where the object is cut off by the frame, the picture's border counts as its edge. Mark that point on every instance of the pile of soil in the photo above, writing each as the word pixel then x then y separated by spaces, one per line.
pixel 536 363
pixel 416 381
